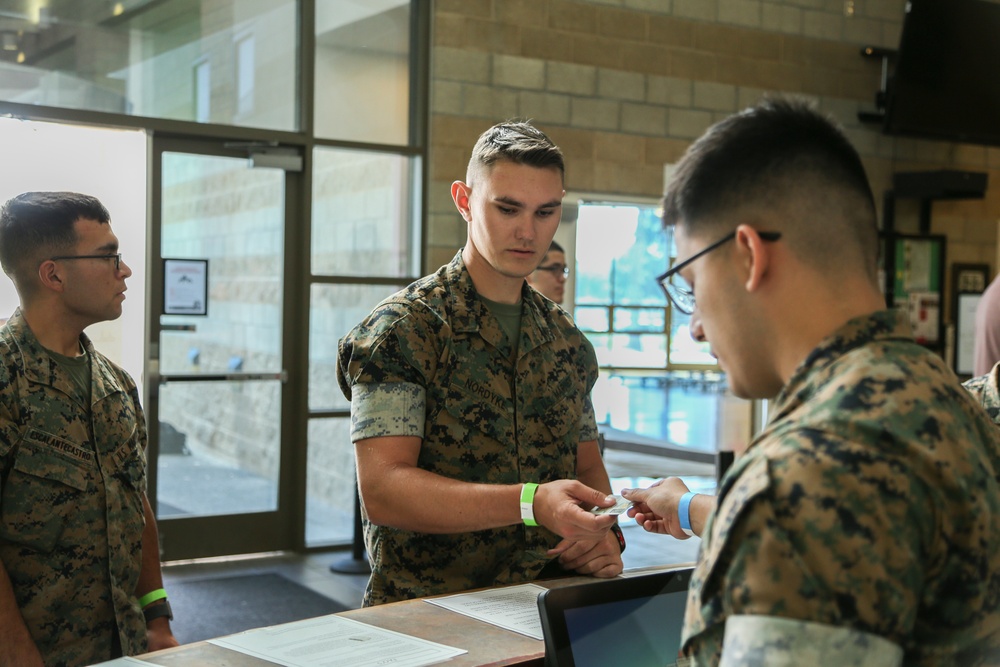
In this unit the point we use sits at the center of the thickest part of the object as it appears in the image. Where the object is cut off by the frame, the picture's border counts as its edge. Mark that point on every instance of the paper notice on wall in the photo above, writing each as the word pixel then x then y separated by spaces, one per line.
pixel 966 333
pixel 918 258
pixel 185 286
pixel 925 316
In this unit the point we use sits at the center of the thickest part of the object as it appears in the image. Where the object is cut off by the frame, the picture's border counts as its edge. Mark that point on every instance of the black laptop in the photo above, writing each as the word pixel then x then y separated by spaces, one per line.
pixel 634 621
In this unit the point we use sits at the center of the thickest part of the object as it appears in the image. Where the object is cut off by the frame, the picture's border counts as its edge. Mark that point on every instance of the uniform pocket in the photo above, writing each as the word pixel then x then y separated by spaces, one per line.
pixel 556 413
pixel 131 461
pixel 562 417
pixel 550 434
pixel 43 490
pixel 753 481
pixel 479 416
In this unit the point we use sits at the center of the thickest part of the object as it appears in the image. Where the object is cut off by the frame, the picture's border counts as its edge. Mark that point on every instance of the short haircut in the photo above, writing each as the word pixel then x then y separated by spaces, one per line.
pixel 555 247
pixel 519 142
pixel 779 155
pixel 36 225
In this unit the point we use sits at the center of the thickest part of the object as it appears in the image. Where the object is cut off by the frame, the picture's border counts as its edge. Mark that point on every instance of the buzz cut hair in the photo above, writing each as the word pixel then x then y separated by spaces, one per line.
pixel 35 225
pixel 780 150
pixel 514 141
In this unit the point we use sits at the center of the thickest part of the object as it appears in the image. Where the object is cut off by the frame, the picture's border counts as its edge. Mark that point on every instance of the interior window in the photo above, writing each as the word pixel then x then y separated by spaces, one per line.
pixel 656 381
pixel 620 249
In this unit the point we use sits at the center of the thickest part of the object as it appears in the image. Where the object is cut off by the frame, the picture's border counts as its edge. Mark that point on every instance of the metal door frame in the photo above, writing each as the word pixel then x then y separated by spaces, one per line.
pixel 232 534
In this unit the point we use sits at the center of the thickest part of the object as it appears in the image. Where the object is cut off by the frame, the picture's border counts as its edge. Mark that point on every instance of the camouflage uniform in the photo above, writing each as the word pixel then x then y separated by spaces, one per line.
pixel 986 390
pixel 432 361
pixel 868 504
pixel 72 480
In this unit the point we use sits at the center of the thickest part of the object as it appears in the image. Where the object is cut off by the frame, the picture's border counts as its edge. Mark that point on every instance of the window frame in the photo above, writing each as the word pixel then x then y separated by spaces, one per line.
pixel 577 202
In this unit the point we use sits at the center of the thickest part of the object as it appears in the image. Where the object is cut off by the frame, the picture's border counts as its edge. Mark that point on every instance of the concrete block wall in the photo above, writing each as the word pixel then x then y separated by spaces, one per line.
pixel 624 86
pixel 357 199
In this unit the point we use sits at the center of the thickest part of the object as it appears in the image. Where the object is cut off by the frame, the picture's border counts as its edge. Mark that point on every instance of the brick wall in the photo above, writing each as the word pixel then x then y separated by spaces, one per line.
pixel 623 86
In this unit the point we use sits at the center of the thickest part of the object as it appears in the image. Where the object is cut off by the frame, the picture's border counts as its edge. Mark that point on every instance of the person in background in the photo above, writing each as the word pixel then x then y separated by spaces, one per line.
pixel 550 277
pixel 986 390
pixel 79 556
pixel 862 525
pixel 475 436
pixel 986 344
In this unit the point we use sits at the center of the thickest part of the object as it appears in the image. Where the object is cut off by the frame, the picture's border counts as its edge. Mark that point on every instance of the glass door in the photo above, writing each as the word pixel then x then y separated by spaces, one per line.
pixel 218 396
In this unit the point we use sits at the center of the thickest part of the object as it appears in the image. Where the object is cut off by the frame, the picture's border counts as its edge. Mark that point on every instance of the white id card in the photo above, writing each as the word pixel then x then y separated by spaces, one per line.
pixel 621 504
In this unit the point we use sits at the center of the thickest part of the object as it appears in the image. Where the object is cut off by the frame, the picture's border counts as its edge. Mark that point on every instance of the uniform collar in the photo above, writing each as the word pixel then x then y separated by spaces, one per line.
pixel 808 378
pixel 471 315
pixel 41 368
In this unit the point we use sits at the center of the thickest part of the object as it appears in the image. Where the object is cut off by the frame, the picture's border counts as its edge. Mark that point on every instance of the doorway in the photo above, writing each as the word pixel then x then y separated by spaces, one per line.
pixel 218 400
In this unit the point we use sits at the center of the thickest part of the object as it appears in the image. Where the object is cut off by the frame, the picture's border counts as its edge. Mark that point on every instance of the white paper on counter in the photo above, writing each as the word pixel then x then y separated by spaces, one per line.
pixel 511 607
pixel 334 640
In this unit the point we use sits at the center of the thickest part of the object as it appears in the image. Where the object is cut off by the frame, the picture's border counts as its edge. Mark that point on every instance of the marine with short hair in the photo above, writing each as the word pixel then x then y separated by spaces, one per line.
pixel 549 278
pixel 461 402
pixel 78 539
pixel 862 525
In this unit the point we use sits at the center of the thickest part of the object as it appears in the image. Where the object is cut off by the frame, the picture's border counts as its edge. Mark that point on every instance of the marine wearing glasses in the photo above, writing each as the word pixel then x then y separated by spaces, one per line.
pixel 674 286
pixel 869 441
pixel 116 258
pixel 555 269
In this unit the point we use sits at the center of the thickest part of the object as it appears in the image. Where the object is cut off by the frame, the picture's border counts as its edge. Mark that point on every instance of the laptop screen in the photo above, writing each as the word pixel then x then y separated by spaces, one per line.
pixel 633 621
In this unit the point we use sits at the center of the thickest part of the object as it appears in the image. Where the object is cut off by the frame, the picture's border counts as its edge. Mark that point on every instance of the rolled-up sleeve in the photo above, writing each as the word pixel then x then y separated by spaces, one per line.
pixel 387 409
pixel 383 366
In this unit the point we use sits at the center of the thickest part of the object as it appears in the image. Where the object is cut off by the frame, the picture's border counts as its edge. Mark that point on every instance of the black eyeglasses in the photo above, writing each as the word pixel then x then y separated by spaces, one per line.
pixel 555 269
pixel 117 258
pixel 677 291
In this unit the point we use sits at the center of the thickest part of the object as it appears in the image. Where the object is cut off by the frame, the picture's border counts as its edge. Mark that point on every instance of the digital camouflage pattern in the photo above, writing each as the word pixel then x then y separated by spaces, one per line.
pixel 785 642
pixel 71 514
pixel 433 361
pixel 869 501
pixel 985 390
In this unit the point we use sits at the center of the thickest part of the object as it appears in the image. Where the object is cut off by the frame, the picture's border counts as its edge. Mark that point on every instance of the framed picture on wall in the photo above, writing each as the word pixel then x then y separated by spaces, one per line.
pixel 185 287
pixel 969 278
pixel 968 282
pixel 965 331
pixel 913 273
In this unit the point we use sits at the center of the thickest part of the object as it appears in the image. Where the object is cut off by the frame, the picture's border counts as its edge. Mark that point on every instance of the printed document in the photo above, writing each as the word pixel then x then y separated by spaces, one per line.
pixel 334 640
pixel 511 608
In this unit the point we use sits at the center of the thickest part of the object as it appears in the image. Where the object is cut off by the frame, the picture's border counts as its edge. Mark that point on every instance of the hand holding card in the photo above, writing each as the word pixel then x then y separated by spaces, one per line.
pixel 621 504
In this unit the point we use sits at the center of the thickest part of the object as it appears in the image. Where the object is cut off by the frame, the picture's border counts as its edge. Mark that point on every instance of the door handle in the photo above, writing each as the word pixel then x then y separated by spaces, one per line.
pixel 281 376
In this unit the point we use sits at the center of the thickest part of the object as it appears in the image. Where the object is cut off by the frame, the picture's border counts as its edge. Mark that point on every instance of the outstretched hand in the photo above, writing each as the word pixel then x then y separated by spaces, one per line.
pixel 559 506
pixel 655 508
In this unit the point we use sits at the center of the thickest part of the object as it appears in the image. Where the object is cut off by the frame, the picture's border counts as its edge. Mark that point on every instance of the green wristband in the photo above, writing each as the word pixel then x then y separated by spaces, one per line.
pixel 527 504
pixel 152 596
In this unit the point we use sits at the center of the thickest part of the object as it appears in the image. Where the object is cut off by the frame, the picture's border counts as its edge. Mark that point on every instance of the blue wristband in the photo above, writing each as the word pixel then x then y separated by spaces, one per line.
pixel 684 512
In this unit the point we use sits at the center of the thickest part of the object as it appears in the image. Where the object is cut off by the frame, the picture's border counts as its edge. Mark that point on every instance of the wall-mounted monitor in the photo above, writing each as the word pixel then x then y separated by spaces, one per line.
pixel 945 83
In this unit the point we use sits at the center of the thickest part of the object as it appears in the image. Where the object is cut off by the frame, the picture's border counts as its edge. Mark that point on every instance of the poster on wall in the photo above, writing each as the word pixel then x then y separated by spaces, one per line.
pixel 918 265
pixel 925 316
pixel 965 332
pixel 914 280
pixel 185 287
